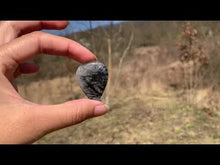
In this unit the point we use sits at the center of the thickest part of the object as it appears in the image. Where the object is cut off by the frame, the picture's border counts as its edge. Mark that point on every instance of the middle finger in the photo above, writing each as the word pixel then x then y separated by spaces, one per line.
pixel 10 30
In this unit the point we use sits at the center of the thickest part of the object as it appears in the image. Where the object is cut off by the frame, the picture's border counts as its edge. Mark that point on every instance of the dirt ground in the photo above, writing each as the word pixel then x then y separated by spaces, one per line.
pixel 138 115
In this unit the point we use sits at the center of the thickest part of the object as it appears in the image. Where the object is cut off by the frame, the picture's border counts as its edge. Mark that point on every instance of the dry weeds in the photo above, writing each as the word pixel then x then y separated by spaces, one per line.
pixel 144 108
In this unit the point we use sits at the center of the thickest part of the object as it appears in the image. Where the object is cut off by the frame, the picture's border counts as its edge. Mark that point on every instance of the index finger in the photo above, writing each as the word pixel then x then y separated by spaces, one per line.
pixel 28 46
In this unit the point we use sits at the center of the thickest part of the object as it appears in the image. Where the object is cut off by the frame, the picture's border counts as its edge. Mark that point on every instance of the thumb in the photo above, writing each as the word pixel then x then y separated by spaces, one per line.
pixel 54 117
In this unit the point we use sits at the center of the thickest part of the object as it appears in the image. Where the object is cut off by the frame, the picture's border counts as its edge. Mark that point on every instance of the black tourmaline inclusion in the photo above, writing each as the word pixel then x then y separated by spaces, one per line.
pixel 92 78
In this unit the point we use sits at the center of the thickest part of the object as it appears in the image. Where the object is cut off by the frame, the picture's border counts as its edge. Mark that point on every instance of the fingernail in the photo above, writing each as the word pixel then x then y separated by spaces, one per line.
pixel 100 110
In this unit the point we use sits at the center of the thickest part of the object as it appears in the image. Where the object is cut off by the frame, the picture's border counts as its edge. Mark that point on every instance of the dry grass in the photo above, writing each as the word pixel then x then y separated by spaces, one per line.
pixel 144 109
pixel 143 119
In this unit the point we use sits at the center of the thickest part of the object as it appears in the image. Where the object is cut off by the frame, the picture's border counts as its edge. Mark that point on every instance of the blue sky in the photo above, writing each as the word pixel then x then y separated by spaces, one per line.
pixel 75 26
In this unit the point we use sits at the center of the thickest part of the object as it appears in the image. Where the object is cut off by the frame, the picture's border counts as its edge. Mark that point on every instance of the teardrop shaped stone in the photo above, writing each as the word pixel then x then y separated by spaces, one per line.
pixel 92 78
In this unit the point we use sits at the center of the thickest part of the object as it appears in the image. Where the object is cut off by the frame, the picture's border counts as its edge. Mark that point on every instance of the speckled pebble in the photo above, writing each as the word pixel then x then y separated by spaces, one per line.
pixel 92 78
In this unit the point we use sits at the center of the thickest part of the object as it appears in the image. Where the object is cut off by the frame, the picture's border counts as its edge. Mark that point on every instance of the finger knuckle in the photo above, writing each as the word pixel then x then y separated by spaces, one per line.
pixel 12 25
pixel 37 33
pixel 78 115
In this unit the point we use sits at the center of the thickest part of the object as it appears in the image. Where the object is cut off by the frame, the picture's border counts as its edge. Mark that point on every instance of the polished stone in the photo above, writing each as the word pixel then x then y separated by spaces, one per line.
pixel 92 78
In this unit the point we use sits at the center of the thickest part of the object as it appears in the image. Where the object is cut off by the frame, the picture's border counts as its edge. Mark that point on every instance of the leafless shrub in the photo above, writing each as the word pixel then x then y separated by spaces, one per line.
pixel 193 58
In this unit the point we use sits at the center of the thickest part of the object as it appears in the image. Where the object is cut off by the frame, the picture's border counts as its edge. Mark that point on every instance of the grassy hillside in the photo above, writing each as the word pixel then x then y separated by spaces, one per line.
pixel 154 97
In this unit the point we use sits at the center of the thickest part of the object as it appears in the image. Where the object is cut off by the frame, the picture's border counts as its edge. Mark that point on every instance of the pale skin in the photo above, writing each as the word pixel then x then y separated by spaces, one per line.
pixel 24 122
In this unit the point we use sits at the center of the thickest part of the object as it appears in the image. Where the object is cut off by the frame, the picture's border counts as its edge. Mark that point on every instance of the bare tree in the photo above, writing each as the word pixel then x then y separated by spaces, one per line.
pixel 104 42
pixel 114 36
pixel 125 52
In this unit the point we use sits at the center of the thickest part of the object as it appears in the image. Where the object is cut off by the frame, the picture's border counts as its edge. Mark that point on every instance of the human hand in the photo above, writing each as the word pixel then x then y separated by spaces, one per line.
pixel 22 121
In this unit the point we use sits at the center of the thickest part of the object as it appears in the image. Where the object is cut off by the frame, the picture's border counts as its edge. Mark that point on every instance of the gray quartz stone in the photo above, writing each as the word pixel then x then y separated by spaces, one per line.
pixel 92 78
